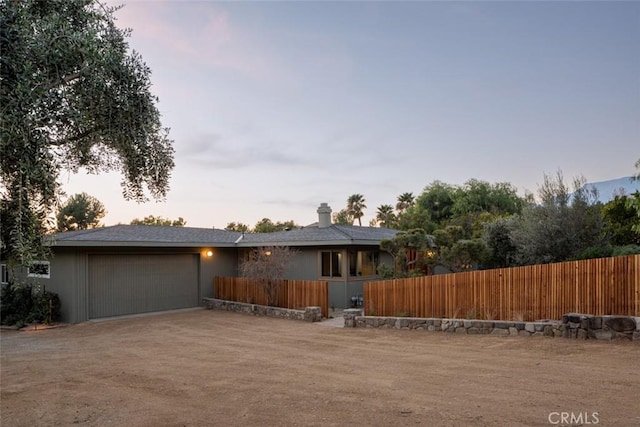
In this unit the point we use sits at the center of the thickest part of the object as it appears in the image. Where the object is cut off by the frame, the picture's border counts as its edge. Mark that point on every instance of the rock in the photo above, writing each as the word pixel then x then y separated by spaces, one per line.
pixel 500 331
pixel 595 322
pixel 529 327
pixel 582 334
pixel 548 331
pixel 539 327
pixel 621 324
pixel 513 330
pixel 572 318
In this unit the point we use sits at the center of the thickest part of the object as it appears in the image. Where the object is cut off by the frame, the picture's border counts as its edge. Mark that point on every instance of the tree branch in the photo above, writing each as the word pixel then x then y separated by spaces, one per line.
pixel 76 137
pixel 65 80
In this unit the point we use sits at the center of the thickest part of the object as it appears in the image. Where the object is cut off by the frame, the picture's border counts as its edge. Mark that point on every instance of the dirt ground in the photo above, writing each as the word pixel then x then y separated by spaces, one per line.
pixel 200 368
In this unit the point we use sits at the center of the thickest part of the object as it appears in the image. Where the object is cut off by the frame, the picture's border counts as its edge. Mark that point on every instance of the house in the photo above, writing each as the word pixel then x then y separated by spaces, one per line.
pixel 129 269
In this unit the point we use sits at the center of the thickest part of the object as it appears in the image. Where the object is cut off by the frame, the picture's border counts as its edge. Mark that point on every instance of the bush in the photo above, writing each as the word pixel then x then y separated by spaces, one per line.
pixel 626 250
pixel 598 251
pixel 23 304
pixel 386 272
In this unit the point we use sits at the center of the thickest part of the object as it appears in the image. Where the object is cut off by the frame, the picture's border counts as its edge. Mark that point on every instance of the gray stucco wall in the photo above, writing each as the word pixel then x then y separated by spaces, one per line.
pixel 69 273
pixel 224 262
pixel 304 265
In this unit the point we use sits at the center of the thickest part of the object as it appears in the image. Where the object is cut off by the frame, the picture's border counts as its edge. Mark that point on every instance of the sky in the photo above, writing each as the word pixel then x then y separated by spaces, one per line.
pixel 276 107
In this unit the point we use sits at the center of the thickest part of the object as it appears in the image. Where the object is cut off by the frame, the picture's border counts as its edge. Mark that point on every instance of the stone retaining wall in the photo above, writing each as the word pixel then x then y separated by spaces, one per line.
pixel 586 326
pixel 573 325
pixel 309 314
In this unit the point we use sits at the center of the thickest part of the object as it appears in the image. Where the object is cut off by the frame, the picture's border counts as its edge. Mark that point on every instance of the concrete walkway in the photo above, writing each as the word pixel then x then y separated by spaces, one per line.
pixel 336 321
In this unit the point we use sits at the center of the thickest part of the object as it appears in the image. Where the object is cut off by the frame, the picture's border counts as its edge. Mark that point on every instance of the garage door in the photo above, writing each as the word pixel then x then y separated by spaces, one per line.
pixel 129 284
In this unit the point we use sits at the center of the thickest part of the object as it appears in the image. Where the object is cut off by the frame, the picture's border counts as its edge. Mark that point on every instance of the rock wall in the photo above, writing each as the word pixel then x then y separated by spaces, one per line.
pixel 586 326
pixel 309 314
pixel 573 325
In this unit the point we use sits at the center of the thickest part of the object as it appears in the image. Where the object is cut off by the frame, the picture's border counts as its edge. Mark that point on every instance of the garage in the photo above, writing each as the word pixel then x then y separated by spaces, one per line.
pixel 121 284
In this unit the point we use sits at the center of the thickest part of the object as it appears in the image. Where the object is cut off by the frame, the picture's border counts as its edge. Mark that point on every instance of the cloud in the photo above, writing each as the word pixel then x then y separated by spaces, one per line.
pixel 212 150
pixel 198 35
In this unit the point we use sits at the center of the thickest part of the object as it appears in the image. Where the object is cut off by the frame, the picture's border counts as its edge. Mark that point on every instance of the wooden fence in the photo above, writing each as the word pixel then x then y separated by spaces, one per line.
pixel 295 294
pixel 597 286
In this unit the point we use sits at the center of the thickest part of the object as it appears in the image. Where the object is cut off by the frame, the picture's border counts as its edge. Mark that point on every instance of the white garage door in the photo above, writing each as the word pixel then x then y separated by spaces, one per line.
pixel 129 284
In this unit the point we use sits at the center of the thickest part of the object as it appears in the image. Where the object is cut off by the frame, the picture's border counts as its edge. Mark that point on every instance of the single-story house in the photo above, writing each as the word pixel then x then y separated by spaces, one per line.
pixel 129 269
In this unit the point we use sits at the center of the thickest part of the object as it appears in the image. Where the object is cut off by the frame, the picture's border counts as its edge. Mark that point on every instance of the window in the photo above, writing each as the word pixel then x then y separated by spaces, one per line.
pixel 4 274
pixel 39 269
pixel 331 264
pixel 363 263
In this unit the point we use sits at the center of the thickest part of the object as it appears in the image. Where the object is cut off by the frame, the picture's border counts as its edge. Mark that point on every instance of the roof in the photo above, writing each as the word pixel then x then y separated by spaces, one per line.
pixel 313 236
pixel 166 236
pixel 146 235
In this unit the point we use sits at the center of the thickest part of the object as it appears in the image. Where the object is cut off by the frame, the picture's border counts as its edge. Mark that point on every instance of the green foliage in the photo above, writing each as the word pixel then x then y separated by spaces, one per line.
pixel 598 251
pixel 342 217
pixel 80 212
pixel 385 272
pixel 158 220
pixel 356 206
pixel 415 241
pixel 480 196
pixel 405 201
pixel 633 203
pixel 619 218
pixel 469 206
pixel 72 96
pixel 625 250
pixel 500 246
pixel 437 200
pixel 560 226
pixel 265 225
pixel 415 217
pixel 462 254
pixel 23 304
pixel 385 216
pixel 243 228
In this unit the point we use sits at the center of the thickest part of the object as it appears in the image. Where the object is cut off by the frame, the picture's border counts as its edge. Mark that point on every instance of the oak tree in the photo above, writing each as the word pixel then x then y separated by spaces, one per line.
pixel 73 96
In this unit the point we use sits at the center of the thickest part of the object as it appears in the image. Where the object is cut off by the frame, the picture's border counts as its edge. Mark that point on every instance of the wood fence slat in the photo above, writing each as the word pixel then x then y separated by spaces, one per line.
pixel 294 294
pixel 595 286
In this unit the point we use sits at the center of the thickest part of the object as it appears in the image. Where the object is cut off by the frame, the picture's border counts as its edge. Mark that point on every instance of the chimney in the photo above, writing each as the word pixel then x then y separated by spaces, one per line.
pixel 324 216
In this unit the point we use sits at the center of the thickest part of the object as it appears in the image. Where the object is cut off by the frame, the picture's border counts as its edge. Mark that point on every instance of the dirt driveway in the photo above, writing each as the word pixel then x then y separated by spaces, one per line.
pixel 202 367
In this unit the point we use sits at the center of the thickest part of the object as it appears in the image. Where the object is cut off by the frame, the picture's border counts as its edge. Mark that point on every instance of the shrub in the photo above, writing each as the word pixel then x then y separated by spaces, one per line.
pixel 22 304
pixel 385 272
pixel 626 250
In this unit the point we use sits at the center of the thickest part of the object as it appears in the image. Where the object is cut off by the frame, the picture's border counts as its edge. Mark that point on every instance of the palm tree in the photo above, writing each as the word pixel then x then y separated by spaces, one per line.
pixel 385 215
pixel 405 201
pixel 355 205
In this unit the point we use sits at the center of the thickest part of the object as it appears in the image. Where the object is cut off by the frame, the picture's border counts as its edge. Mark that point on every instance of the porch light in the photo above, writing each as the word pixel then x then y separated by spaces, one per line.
pixel 209 253
pixel 267 253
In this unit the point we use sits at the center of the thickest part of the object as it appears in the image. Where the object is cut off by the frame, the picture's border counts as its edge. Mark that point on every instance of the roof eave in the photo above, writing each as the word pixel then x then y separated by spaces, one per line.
pixel 135 244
